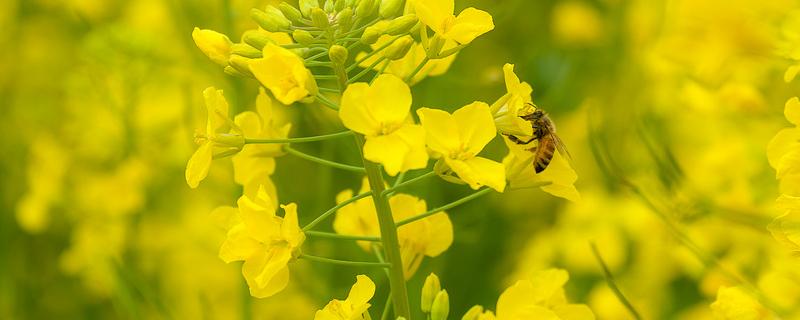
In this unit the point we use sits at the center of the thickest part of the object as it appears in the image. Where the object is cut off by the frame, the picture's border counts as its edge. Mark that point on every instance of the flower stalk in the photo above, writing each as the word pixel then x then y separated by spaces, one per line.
pixel 391 245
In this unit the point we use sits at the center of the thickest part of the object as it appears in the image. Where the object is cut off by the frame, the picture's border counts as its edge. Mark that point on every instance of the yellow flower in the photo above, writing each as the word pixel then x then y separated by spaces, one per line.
pixel 458 138
pixel 430 236
pixel 356 305
pixel 265 242
pixel 284 74
pixel 540 297
pixel 255 163
pixel 404 66
pixel 381 113
pixel 214 136
pixel 786 227
pixel 515 103
pixel 733 303
pixel 576 23
pixel 559 177
pixel 215 46
pixel 438 15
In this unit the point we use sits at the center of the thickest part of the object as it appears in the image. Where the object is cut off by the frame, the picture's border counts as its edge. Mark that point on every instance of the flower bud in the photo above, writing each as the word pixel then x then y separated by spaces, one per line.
pixel 365 9
pixel 233 72
pixel 339 6
pixel 257 38
pixel 373 32
pixel 214 45
pixel 389 8
pixel 245 50
pixel 399 48
pixel 270 21
pixel 441 306
pixel 290 12
pixel 241 64
pixel 307 5
pixel 429 291
pixel 338 54
pixel 401 24
pixel 319 18
pixel 345 19
pixel 328 6
pixel 302 37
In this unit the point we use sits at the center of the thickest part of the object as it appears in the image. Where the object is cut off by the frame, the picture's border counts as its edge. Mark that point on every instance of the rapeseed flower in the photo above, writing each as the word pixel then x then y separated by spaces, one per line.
pixel 540 297
pixel 284 74
pixel 214 137
pixel 380 112
pixel 517 102
pixel 557 179
pixel 355 307
pixel 438 15
pixel 457 139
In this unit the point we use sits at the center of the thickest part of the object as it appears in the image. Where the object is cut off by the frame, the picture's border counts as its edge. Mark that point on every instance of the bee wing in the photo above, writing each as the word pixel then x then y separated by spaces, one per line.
pixel 562 148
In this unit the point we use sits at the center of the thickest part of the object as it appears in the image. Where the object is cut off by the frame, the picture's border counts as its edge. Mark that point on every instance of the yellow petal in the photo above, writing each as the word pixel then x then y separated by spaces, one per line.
pixel 786 230
pixel 197 167
pixel 259 219
pixel 399 151
pixel 785 141
pixel 361 292
pixel 290 229
pixel 734 303
pixel 478 172
pixel 789 164
pixel 389 100
pixel 469 24
pixel 441 234
pixel 441 130
pixel 266 272
pixel 475 126
pixel 249 122
pixel 433 13
pixel 561 177
pixel 284 74
pixel 573 312
pixel 217 108
pixel 792 111
pixel 791 73
pixel 515 300
pixel 355 114
pixel 238 245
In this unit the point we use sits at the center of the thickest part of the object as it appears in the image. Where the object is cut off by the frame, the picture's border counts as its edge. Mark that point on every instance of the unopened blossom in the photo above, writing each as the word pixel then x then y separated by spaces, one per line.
pixel 439 16
pixel 265 242
pixel 381 112
pixel 356 305
pixel 458 138
pixel 284 74
pixel 214 45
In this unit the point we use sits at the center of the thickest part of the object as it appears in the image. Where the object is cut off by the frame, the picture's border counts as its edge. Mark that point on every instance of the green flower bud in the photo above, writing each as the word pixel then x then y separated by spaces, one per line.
pixel 300 52
pixel 389 8
pixel 345 19
pixel 233 72
pixel 372 33
pixel 338 54
pixel 270 21
pixel 319 18
pixel 441 306
pixel 402 24
pixel 256 38
pixel 429 291
pixel 302 37
pixel 365 9
pixel 307 5
pixel 241 64
pixel 245 50
pixel 340 5
pixel 328 6
pixel 350 3
pixel 290 12
pixel 399 48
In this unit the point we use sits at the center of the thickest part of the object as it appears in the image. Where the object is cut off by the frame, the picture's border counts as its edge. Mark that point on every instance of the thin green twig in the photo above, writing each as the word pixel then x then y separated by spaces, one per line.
pixel 444 207
pixel 331 211
pixel 343 262
pixel 326 162
pixel 612 283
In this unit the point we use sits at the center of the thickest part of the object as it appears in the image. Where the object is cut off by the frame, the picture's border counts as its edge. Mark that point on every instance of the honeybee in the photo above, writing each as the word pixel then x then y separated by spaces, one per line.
pixel 544 131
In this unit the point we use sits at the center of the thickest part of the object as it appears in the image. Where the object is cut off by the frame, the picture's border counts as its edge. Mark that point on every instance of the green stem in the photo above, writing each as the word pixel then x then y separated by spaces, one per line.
pixel 399 180
pixel 444 207
pixel 387 307
pixel 371 53
pixel 301 139
pixel 368 69
pixel 326 102
pixel 613 284
pixel 408 182
pixel 329 163
pixel 391 244
pixel 417 69
pixel 333 210
pixel 343 262
pixel 329 90
pixel 318 234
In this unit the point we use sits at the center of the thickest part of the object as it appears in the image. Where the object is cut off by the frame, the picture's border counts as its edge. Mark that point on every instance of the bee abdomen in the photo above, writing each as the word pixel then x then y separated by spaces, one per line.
pixel 544 154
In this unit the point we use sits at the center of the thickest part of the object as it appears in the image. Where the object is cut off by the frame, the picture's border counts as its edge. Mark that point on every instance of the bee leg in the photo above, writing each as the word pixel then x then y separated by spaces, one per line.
pixel 516 140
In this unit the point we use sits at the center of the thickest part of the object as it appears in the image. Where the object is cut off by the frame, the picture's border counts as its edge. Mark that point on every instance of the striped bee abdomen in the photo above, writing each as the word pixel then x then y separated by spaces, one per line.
pixel 543 153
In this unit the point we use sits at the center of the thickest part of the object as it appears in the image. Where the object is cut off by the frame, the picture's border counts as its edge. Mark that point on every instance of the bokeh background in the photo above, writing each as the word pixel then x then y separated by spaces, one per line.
pixel 666 106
